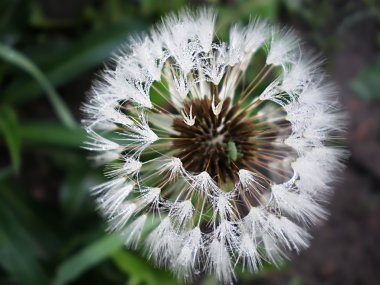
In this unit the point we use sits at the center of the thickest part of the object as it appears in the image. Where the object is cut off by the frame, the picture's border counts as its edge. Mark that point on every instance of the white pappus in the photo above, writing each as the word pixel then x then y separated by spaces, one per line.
pixel 233 155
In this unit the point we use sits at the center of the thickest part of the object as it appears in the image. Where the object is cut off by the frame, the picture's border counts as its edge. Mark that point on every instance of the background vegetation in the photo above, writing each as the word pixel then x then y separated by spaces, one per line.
pixel 50 52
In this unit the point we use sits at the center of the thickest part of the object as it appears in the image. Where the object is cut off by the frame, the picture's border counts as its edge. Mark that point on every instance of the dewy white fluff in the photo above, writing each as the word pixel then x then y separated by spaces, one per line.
pixel 224 161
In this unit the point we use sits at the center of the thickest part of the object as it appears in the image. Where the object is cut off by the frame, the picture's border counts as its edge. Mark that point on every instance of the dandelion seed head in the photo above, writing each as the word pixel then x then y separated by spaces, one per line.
pixel 234 157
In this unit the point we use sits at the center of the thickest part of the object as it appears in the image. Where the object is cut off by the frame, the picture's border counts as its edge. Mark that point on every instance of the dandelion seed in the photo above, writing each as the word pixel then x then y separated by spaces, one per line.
pixel 163 243
pixel 181 213
pixel 188 257
pixel 219 262
pixel 233 174
pixel 133 232
pixel 249 254
pixel 188 118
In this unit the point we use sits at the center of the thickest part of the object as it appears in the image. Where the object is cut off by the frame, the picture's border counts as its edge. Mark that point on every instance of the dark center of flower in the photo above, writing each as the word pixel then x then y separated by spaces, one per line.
pixel 219 145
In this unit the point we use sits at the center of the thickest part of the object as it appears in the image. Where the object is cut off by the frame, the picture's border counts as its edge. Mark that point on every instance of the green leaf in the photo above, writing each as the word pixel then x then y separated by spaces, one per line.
pixel 23 62
pixel 50 133
pixel 89 257
pixel 9 128
pixel 367 84
pixel 135 267
pixel 140 271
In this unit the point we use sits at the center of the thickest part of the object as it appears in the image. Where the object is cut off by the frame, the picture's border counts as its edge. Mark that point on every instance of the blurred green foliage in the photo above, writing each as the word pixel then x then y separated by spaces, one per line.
pixel 49 230
pixel 367 83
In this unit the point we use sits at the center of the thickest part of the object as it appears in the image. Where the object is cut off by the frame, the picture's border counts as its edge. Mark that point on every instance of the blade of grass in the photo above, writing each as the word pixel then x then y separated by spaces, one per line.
pixel 9 128
pixel 18 59
pixel 136 268
pixel 50 133
pixel 100 250
pixel 142 272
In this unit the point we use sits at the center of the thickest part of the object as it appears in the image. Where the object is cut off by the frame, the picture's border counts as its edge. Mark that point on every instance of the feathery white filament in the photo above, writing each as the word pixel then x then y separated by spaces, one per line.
pixel 204 183
pixel 163 243
pixel 282 47
pixel 188 256
pixel 249 254
pixel 132 233
pixel 188 118
pixel 219 262
pixel 118 218
pixel 287 232
pixel 181 213
pixel 299 205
